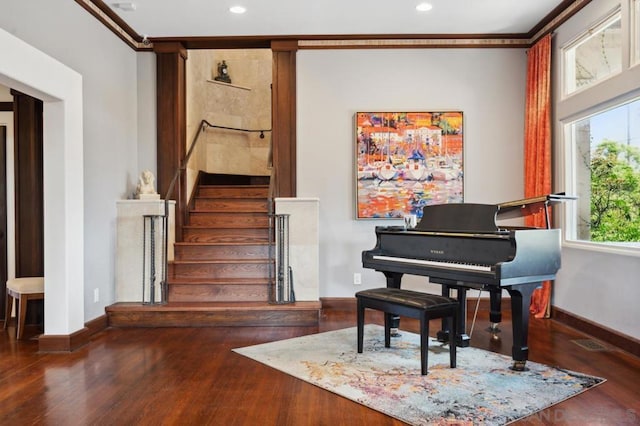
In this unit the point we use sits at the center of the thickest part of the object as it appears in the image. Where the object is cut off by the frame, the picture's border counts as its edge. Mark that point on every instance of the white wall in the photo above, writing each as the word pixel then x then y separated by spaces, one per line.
pixel 601 287
pixel 147 130
pixel 6 119
pixel 486 84
pixel 111 128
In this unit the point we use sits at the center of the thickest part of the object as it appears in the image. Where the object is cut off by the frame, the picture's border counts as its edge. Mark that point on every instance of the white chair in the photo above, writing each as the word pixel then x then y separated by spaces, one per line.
pixel 22 290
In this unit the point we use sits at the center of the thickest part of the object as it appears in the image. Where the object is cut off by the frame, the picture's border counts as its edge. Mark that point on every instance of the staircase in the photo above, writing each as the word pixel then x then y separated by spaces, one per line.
pixel 225 253
pixel 220 272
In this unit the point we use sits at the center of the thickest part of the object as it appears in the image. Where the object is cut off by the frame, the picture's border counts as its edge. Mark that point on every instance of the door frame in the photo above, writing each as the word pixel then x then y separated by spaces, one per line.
pixel 3 221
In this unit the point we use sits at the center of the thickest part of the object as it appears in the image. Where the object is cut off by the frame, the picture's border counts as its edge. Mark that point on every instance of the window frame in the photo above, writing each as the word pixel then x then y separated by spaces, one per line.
pixel 590 100
pixel 634 27
pixel 569 214
pixel 567 65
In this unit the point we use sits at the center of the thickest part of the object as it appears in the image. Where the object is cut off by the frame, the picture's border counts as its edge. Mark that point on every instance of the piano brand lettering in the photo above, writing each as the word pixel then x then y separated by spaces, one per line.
pixel 436 251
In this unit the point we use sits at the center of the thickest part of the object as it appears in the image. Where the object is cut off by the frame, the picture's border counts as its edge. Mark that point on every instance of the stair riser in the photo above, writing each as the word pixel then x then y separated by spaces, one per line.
pixel 212 204
pixel 224 220
pixel 235 252
pixel 222 318
pixel 219 270
pixel 231 192
pixel 213 235
pixel 218 293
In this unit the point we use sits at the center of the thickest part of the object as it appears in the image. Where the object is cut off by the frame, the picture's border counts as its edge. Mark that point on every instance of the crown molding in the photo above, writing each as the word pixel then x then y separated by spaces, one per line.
pixel 113 22
pixel 565 10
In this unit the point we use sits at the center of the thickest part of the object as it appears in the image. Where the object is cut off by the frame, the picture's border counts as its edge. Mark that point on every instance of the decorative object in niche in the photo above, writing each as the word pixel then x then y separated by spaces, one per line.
pixel 223 73
pixel 146 187
pixel 407 160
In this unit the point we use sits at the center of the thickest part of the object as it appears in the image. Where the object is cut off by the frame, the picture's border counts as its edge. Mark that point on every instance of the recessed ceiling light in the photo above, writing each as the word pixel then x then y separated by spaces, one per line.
pixel 424 7
pixel 126 6
pixel 237 9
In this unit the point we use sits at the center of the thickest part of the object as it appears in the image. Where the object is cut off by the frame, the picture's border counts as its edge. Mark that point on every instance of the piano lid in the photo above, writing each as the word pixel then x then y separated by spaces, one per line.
pixel 529 206
pixel 481 218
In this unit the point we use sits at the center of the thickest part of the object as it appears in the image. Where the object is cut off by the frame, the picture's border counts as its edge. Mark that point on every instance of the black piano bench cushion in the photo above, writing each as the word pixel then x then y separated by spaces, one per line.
pixel 412 304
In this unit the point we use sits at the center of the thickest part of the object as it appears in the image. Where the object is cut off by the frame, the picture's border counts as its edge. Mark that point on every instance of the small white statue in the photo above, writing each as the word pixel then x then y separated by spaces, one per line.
pixel 146 187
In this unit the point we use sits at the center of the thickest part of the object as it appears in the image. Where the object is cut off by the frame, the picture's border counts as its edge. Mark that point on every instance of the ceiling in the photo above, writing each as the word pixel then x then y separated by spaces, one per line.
pixel 211 18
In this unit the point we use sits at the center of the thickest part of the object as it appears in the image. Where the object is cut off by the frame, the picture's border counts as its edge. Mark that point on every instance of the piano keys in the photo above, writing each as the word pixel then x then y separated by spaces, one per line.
pixel 461 247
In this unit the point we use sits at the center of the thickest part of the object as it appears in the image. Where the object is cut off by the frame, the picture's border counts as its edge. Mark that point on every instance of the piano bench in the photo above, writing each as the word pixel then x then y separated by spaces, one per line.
pixel 412 304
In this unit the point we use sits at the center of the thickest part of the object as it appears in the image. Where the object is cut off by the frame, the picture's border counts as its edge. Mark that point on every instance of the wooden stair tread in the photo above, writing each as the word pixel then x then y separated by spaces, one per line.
pixel 214 314
pixel 218 261
pixel 214 306
pixel 222 243
pixel 218 281
pixel 225 227
pixel 235 186
pixel 233 200
pixel 226 212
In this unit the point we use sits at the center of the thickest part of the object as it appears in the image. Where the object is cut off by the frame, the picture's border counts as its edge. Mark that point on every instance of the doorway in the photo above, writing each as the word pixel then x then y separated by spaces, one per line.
pixel 61 90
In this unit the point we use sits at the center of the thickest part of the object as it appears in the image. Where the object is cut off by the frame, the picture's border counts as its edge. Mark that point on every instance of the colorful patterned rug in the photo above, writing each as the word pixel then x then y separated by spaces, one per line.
pixel 481 390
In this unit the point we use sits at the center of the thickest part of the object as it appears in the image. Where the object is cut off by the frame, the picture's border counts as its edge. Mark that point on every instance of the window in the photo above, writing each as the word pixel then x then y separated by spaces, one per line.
pixel 605 174
pixel 594 56
pixel 635 38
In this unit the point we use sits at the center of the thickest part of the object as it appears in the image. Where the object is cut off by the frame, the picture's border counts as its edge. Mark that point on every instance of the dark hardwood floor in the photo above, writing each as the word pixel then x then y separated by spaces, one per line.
pixel 189 376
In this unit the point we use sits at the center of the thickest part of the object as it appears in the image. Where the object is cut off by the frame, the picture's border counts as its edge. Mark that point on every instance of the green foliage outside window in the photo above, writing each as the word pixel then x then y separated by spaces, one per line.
pixel 615 193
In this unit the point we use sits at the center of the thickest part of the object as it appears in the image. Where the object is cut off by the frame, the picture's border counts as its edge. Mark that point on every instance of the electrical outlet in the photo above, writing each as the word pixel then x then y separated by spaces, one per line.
pixel 96 295
pixel 357 278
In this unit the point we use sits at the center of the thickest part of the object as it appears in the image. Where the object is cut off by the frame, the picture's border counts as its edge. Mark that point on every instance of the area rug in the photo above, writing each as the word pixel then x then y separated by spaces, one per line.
pixel 481 390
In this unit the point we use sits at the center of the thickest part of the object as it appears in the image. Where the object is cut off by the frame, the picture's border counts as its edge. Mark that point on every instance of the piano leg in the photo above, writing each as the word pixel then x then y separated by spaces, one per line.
pixel 495 301
pixel 462 339
pixel 520 300
pixel 495 312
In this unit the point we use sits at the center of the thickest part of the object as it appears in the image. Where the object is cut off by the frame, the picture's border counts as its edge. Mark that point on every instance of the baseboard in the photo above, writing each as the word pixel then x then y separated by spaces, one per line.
pixel 73 341
pixel 600 332
pixel 69 343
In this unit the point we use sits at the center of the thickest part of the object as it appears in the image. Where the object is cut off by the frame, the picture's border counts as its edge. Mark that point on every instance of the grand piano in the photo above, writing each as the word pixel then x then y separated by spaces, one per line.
pixel 462 246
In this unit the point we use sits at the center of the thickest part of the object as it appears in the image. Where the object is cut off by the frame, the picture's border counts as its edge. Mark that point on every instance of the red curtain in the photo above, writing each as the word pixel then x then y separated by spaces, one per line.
pixel 537 148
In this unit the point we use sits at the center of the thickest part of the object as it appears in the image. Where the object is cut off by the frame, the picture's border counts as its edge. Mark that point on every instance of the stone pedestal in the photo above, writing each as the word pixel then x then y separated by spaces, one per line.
pixel 304 239
pixel 130 244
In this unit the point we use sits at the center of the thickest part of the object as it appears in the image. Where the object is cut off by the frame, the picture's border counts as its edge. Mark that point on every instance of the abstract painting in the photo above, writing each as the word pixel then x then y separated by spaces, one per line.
pixel 407 160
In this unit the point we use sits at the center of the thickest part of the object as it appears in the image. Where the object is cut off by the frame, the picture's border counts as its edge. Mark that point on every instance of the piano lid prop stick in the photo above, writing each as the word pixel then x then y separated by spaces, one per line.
pixel 475 314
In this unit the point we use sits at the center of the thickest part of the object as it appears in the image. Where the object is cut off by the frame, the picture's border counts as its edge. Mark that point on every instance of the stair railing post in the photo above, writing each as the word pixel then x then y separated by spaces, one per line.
pixel 150 234
pixel 283 276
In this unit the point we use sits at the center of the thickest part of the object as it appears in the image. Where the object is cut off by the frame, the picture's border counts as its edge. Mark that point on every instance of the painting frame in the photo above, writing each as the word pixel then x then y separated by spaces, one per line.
pixel 405 161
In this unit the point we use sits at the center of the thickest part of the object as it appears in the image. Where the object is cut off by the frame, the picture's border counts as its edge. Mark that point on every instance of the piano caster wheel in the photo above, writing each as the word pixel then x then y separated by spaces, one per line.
pixel 494 330
pixel 519 366
pixel 394 332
